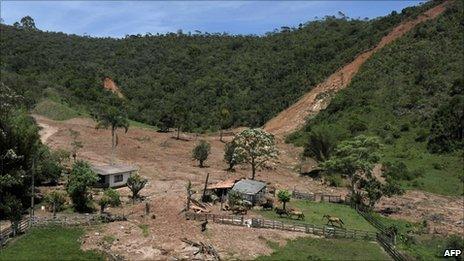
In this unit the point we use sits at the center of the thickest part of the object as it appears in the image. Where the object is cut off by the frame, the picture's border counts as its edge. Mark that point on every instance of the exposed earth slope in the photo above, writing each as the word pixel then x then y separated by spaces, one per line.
pixel 294 117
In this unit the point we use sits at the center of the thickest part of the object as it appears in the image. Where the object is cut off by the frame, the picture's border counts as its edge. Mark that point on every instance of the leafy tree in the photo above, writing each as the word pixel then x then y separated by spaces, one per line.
pixel 112 117
pixel 255 146
pixel 230 157
pixel 201 152
pixel 447 130
pixel 136 183
pixel 320 144
pixel 284 196
pixel 12 208
pixel 27 22
pixel 355 158
pixel 80 180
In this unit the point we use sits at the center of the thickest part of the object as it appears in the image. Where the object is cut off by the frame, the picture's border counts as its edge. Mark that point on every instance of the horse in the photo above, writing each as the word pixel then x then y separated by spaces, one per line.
pixel 333 220
pixel 281 212
pixel 298 213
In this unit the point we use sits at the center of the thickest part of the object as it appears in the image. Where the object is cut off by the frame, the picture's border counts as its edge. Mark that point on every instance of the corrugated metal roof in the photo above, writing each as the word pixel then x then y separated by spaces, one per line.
pixel 113 169
pixel 229 183
pixel 247 186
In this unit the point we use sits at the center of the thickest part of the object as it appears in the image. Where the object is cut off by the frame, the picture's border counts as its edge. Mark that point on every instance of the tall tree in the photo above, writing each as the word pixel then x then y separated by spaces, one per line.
pixel 256 147
pixel 112 117
pixel 355 158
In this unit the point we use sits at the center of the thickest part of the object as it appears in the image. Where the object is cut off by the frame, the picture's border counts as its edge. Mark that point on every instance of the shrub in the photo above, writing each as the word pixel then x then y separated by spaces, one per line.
pixel 404 127
pixel 334 180
pixel 201 152
pixel 357 125
pixel 136 183
pixel 113 197
pixel 320 144
pixel 234 198
pixel 229 155
pixel 82 177
pixel 55 200
pixel 421 135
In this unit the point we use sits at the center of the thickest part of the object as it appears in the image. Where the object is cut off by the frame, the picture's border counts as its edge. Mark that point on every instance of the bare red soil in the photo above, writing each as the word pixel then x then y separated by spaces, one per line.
pixel 294 117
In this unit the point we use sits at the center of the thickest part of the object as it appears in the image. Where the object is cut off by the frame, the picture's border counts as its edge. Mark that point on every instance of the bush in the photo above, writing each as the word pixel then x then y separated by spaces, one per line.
pixel 399 171
pixel 55 200
pixel 421 135
pixel 357 125
pixel 404 127
pixel 229 155
pixel 82 177
pixel 201 152
pixel 334 180
pixel 113 197
pixel 320 144
pixel 136 183
pixel 234 198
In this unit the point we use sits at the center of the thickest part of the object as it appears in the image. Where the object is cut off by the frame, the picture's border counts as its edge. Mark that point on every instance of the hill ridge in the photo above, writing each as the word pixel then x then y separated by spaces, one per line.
pixel 318 98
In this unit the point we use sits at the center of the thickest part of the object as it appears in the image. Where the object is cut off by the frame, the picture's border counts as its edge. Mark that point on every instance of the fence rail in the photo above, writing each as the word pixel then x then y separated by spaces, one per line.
pixel 317 197
pixel 325 231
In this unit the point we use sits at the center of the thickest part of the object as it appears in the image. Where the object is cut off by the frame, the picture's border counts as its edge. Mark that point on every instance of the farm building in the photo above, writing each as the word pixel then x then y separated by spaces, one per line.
pixel 113 175
pixel 251 190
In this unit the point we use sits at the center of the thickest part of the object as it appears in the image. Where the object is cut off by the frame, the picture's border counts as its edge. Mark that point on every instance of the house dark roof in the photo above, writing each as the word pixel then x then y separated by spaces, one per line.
pixel 113 169
pixel 250 187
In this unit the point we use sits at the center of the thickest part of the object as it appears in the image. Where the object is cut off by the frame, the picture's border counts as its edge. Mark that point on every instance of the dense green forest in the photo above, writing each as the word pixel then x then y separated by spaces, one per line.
pixel 187 79
pixel 411 95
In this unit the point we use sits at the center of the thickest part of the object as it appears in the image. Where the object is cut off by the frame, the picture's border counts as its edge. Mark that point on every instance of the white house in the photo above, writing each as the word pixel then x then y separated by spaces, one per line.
pixel 112 176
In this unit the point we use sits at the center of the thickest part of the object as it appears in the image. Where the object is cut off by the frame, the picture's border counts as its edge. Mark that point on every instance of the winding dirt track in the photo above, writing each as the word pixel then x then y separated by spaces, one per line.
pixel 314 101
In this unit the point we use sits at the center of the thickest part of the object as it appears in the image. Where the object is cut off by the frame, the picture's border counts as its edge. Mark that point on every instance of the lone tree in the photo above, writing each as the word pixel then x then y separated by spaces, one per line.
pixel 136 183
pixel 201 152
pixel 284 197
pixel 82 177
pixel 112 117
pixel 255 146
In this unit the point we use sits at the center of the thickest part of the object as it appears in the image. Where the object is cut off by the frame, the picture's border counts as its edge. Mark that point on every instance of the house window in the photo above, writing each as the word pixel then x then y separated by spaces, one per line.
pixel 118 178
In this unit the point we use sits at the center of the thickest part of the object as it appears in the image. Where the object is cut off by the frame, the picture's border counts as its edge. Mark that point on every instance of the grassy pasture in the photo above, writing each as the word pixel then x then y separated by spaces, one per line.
pixel 314 211
pixel 49 243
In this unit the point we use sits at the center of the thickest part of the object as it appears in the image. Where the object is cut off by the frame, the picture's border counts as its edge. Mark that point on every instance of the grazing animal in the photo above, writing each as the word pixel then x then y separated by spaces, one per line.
pixel 281 212
pixel 298 213
pixel 333 220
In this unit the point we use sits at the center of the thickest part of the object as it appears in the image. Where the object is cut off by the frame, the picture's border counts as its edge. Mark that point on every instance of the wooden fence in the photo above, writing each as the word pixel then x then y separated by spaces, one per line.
pixel 317 197
pixel 386 244
pixel 23 225
pixel 325 231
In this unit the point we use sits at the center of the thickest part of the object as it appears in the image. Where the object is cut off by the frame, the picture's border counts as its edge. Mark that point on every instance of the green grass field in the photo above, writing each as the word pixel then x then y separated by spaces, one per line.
pixel 55 110
pixel 48 243
pixel 326 249
pixel 443 169
pixel 314 211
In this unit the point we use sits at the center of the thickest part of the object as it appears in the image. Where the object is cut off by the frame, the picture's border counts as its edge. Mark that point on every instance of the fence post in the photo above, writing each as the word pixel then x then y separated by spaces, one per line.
pixel 242 220
pixel 306 229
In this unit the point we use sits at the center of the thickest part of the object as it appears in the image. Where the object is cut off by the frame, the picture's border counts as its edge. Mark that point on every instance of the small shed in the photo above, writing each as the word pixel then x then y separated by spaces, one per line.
pixel 221 188
pixel 251 190
pixel 112 176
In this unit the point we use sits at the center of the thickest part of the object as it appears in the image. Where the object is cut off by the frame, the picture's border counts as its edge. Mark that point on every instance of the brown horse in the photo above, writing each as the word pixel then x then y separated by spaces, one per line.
pixel 298 213
pixel 333 220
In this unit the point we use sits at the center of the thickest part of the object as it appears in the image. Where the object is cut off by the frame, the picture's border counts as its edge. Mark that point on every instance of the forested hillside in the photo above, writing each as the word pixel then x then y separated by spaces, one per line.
pixel 411 95
pixel 188 79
